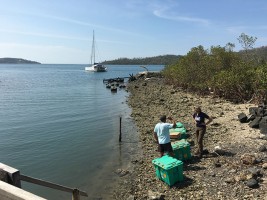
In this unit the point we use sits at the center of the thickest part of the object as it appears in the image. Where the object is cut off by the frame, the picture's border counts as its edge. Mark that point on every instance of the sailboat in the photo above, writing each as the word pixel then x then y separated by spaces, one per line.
pixel 95 67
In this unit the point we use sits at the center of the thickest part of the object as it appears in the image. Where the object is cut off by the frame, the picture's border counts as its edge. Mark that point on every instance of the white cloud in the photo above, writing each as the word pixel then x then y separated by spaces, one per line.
pixel 169 10
pixel 82 23
pixel 163 14
pixel 43 35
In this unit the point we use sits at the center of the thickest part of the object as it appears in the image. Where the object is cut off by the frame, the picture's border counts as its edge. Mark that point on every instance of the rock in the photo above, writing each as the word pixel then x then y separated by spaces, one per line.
pixel 252 183
pixel 219 150
pixel 205 152
pixel 258 160
pixel 144 84
pixel 254 171
pixel 131 197
pixel 250 176
pixel 262 148
pixel 212 174
pixel 230 180
pixel 240 177
pixel 264 165
pixel 135 161
pixel 255 123
pixel 215 124
pixel 242 117
pixel 217 164
pixel 155 195
pixel 232 171
pixel 121 172
pixel 248 159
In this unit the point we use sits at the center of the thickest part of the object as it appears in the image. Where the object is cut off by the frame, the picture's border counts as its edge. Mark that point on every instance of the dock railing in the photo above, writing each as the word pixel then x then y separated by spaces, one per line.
pixel 75 192
pixel 13 177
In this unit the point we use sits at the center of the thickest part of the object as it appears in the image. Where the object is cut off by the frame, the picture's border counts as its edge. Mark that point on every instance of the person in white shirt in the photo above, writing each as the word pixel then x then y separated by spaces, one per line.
pixel 162 135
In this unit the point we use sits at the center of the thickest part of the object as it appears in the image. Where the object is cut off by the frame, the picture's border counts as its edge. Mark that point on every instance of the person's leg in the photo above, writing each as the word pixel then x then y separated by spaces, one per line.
pixel 197 143
pixel 161 150
pixel 200 140
pixel 168 148
pixel 171 154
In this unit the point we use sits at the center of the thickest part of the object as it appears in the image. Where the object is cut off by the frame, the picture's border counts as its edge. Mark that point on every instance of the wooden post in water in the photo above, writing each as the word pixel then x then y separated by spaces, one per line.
pixel 120 130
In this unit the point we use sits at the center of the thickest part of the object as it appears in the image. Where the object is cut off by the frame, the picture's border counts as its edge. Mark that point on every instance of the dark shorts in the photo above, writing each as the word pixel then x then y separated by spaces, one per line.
pixel 165 147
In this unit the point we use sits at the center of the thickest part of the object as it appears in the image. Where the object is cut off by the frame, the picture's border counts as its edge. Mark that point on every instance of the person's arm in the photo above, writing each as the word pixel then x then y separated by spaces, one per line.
pixel 156 137
pixel 173 123
pixel 193 119
pixel 209 121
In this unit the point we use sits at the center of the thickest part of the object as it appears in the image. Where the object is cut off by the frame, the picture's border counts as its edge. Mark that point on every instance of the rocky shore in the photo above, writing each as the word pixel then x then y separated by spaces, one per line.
pixel 235 169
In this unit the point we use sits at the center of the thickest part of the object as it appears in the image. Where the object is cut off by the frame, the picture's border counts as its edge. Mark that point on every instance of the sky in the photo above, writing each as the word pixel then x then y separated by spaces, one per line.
pixel 61 31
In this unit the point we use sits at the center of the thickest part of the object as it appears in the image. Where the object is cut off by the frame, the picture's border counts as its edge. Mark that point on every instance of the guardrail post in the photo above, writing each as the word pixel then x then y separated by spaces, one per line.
pixel 75 194
pixel 13 175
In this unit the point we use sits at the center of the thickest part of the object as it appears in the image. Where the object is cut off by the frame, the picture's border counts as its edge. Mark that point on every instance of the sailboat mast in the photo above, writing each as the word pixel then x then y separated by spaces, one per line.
pixel 93 49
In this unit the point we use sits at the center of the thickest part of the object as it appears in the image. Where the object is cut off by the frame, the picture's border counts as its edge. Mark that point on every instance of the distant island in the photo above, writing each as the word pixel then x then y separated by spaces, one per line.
pixel 16 61
pixel 156 60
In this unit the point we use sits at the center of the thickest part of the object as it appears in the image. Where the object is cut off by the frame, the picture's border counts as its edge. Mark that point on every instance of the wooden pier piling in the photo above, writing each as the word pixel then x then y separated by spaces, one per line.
pixel 120 130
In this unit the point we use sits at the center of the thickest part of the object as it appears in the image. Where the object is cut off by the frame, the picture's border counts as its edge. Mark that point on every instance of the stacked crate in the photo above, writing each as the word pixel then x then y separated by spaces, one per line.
pixel 181 150
pixel 179 132
pixel 168 169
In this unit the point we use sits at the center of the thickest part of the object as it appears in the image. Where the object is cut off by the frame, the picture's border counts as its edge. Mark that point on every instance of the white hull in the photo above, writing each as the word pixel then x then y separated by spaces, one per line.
pixel 96 68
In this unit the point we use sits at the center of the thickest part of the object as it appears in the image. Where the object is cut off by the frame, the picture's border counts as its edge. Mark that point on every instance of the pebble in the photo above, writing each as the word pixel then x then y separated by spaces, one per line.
pixel 252 183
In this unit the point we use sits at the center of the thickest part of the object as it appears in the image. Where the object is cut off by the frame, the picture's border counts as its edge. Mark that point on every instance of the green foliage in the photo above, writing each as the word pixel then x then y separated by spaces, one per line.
pixel 260 83
pixel 247 42
pixel 220 71
pixel 257 55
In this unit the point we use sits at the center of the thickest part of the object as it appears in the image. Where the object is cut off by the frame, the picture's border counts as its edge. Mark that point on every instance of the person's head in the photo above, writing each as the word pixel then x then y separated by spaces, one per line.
pixel 198 109
pixel 163 118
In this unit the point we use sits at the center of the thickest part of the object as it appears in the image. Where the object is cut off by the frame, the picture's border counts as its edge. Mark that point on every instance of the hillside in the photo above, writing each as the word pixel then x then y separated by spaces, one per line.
pixel 260 53
pixel 157 60
pixel 16 61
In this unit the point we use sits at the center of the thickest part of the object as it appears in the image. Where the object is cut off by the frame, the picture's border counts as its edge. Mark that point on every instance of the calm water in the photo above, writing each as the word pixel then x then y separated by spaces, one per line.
pixel 60 124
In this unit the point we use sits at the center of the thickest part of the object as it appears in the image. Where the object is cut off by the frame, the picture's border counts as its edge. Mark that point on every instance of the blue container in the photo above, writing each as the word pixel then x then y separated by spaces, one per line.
pixel 168 169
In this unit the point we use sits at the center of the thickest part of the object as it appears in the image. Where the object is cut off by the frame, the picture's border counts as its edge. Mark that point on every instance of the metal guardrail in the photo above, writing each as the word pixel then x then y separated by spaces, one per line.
pixel 75 192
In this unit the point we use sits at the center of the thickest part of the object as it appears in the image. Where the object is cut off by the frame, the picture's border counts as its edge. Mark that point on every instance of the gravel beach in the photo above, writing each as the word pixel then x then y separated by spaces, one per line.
pixel 237 171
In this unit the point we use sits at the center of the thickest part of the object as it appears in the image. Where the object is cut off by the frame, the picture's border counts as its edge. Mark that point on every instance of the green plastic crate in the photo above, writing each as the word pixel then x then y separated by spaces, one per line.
pixel 182 150
pixel 169 169
pixel 179 128
pixel 179 125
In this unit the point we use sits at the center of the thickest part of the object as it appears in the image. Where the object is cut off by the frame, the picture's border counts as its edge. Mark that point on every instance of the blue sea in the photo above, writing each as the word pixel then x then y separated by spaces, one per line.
pixel 61 124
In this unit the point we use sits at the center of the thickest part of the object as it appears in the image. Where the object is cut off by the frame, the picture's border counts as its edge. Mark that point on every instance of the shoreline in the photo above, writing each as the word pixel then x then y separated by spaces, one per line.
pixel 213 177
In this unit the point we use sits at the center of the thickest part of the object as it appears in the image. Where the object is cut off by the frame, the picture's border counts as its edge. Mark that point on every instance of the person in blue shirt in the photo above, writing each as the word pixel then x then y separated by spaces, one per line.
pixel 199 120
pixel 162 135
